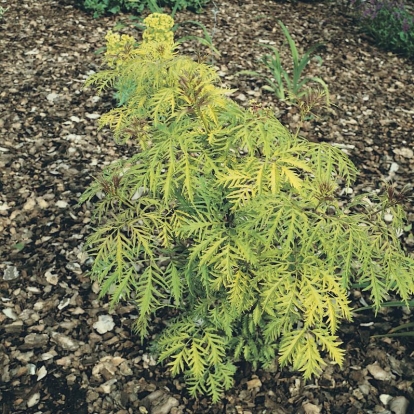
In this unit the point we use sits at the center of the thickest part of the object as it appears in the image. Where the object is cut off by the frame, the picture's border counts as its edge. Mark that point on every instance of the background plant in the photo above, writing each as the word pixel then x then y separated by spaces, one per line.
pixel 101 7
pixel 225 217
pixel 286 86
pixel 205 40
pixel 2 11
pixel 389 23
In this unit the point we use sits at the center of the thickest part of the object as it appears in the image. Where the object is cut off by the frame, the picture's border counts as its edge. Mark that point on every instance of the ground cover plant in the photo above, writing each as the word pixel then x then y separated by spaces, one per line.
pixel 389 23
pixel 101 7
pixel 231 221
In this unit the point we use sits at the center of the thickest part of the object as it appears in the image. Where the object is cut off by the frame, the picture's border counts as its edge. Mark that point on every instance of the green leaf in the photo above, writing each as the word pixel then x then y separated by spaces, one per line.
pixel 196 357
pixel 293 179
pixel 178 361
pixel 291 346
pixel 19 246
pixel 331 344
pixel 310 360
pixel 207 256
pixel 176 283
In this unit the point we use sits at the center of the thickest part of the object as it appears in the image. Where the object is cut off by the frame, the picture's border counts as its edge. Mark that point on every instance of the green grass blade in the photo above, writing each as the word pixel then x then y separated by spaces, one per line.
pixel 293 49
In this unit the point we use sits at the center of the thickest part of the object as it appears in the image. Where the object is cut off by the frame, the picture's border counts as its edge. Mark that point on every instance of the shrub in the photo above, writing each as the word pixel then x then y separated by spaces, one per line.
pixel 195 5
pixel 231 222
pixel 389 23
pixel 101 7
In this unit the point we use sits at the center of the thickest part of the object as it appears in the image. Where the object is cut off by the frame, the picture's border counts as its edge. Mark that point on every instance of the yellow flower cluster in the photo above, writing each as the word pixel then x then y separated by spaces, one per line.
pixel 158 28
pixel 157 50
pixel 118 47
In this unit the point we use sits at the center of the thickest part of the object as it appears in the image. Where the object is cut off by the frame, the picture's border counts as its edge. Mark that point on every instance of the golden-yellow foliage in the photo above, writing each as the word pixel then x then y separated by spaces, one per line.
pixel 226 217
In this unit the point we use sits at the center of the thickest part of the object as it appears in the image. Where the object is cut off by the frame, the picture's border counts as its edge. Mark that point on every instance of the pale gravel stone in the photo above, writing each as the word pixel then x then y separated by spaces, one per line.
pixel 42 203
pixel 41 373
pixel 65 342
pixel 104 324
pixel 106 387
pixel 11 273
pixel 404 152
pixel 399 405
pixel 365 389
pixel 166 407
pixel 65 361
pixel 30 204
pixel 61 204
pixel 4 207
pixel 47 355
pixel 14 327
pixel 92 116
pixel 71 379
pixel 51 278
pixel 149 360
pixel 385 399
pixel 36 340
pixel 31 369
pixel 378 373
pixel 63 303
pixel 51 97
pixel 33 400
pixel 311 408
pixel 394 167
pixel 358 394
pixel 125 370
pixel 254 383
pixel 92 396
pixel 74 267
pixel 10 313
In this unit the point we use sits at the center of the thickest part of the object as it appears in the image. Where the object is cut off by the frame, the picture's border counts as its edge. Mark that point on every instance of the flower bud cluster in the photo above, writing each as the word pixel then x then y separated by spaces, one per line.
pixel 158 28
pixel 118 47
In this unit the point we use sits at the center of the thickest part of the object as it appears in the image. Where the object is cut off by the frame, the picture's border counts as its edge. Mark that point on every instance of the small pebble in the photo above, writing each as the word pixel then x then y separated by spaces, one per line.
pixel 10 273
pixel 65 342
pixel 254 383
pixel 105 324
pixel 378 373
pixel 36 340
pixel 399 405
pixel 33 400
